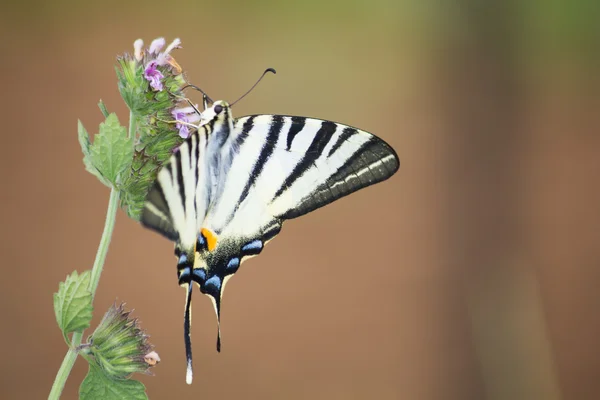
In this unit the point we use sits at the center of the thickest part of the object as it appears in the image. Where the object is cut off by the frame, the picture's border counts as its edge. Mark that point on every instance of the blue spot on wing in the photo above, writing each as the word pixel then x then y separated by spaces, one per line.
pixel 185 275
pixel 199 275
pixel 232 265
pixel 252 248
pixel 213 283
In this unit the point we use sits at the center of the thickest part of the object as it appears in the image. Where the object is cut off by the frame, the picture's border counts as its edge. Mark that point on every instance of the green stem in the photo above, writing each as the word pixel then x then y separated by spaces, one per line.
pixel 71 356
pixel 65 369
pixel 109 224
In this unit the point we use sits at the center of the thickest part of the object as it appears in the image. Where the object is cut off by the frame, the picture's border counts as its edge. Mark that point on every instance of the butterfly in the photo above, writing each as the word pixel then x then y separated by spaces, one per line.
pixel 225 193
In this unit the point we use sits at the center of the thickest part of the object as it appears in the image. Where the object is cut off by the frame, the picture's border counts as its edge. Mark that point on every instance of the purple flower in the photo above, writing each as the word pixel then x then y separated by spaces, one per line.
pixel 185 117
pixel 158 59
pixel 153 75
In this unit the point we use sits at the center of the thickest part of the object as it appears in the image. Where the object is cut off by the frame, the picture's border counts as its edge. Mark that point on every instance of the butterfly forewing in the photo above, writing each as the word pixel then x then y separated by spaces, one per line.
pixel 297 165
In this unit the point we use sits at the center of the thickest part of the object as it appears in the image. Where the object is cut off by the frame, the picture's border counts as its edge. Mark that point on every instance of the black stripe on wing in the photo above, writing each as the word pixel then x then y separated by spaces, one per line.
pixel 297 125
pixel 346 134
pixel 265 154
pixel 156 214
pixel 247 127
pixel 314 151
pixel 179 171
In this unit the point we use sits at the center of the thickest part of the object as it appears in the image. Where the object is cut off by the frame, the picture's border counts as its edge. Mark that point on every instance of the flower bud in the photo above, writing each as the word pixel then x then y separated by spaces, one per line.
pixel 119 346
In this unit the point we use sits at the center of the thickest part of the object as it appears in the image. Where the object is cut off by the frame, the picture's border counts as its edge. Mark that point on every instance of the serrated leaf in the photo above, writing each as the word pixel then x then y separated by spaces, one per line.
pixel 98 386
pixel 84 141
pixel 112 151
pixel 73 304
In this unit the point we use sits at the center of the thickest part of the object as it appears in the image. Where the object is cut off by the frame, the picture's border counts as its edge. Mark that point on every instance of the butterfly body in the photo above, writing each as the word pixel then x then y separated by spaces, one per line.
pixel 227 190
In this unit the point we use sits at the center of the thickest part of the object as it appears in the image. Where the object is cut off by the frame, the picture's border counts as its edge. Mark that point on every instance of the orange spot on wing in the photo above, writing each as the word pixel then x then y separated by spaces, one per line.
pixel 211 238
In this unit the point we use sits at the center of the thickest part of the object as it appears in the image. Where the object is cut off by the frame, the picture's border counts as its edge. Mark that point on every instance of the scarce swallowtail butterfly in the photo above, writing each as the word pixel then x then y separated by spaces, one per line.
pixel 227 190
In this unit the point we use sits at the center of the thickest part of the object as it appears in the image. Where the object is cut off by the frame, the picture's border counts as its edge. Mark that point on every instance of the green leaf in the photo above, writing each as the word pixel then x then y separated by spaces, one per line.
pixel 97 385
pixel 84 141
pixel 112 151
pixel 73 304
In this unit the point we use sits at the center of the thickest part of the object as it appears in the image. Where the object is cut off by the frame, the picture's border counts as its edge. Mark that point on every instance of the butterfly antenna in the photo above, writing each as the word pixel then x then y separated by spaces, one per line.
pixel 186 333
pixel 257 82
pixel 198 89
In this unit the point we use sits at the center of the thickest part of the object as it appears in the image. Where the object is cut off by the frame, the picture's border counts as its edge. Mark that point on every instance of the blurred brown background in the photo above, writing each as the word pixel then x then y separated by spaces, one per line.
pixel 473 273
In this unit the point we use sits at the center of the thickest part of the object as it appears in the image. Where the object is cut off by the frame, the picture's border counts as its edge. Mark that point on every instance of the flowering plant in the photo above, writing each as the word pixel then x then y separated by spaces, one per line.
pixel 126 160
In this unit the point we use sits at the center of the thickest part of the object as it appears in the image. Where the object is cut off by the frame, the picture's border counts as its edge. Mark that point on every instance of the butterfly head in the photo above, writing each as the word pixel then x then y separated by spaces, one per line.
pixel 219 111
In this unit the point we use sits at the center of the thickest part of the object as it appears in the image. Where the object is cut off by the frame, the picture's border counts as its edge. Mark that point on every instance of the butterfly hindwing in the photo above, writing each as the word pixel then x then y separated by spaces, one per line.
pixel 177 202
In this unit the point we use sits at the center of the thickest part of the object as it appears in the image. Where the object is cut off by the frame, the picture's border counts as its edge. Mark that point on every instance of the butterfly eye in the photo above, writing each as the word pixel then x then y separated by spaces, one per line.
pixel 218 108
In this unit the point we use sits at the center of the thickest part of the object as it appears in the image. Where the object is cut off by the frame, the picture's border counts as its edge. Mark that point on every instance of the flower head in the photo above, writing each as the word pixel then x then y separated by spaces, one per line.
pixel 119 346
pixel 151 82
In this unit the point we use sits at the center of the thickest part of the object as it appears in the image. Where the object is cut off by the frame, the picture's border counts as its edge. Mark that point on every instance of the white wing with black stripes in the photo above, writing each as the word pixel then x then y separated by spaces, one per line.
pixel 285 167
pixel 229 188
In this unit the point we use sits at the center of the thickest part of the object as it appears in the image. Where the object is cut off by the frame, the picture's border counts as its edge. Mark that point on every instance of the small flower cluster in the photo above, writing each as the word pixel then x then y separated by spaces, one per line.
pixel 151 83
pixel 119 346
pixel 151 71
pixel 156 64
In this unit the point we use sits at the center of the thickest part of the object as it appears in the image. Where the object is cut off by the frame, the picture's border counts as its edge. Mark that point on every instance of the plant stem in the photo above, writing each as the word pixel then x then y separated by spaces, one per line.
pixel 65 369
pixel 71 356
pixel 109 224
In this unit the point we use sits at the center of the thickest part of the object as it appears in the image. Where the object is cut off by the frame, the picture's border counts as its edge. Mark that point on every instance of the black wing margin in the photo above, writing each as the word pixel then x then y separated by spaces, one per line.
pixel 373 162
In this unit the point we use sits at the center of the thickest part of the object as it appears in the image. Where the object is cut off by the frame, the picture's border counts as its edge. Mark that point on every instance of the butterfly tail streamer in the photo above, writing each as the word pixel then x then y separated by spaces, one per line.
pixel 216 299
pixel 218 308
pixel 187 321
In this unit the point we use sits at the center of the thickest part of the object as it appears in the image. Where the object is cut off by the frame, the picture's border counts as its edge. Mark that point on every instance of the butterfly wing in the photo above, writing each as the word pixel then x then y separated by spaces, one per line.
pixel 284 167
pixel 177 202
